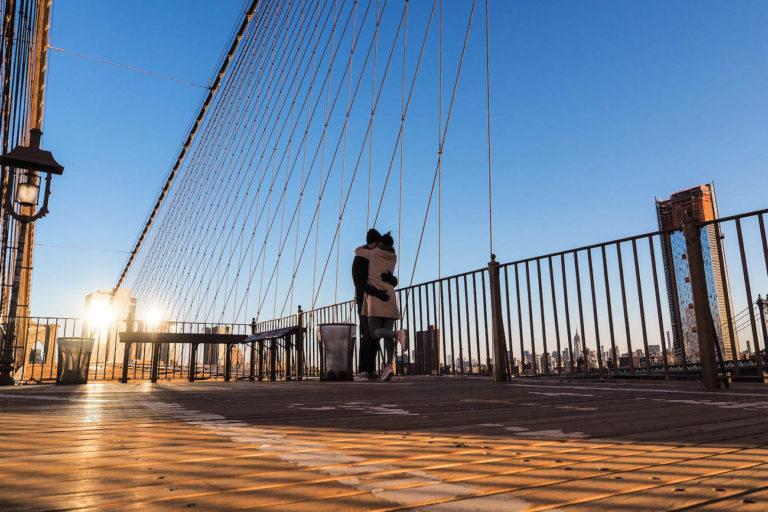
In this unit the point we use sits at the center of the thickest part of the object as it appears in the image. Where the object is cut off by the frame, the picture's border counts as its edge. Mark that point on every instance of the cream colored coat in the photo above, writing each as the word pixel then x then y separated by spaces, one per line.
pixel 380 262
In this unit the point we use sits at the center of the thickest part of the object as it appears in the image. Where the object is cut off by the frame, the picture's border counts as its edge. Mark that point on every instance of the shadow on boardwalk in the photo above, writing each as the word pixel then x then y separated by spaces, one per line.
pixel 423 443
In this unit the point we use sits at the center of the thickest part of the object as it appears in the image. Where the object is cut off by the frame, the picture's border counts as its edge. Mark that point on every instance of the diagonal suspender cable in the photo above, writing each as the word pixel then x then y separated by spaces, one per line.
pixel 190 137
pixel 213 220
pixel 180 217
pixel 293 166
pixel 175 217
pixel 250 208
pixel 400 132
pixel 336 150
pixel 442 146
pixel 338 143
pixel 440 155
pixel 402 145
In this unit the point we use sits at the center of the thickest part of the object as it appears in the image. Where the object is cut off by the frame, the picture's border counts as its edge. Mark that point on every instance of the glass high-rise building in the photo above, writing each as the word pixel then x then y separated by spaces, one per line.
pixel 698 204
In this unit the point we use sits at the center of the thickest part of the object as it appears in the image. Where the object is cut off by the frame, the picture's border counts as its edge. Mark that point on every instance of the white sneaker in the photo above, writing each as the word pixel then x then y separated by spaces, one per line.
pixel 362 377
pixel 386 373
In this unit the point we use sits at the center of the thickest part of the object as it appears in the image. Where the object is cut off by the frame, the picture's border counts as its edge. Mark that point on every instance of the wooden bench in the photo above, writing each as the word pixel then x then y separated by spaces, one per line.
pixel 286 338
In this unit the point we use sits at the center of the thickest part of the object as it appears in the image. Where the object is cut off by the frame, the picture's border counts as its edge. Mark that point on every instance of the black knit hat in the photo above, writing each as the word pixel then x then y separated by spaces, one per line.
pixel 372 236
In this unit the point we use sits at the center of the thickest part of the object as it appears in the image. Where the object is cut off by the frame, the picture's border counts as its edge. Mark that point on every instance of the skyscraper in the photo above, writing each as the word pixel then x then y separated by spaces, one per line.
pixel 696 204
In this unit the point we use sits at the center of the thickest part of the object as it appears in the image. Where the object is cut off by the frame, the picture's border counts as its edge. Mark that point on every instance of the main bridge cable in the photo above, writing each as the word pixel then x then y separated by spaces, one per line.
pixel 293 129
pixel 175 211
pixel 221 167
pixel 190 137
pixel 191 303
pixel 169 210
pixel 247 216
pixel 314 159
pixel 224 206
pixel 156 259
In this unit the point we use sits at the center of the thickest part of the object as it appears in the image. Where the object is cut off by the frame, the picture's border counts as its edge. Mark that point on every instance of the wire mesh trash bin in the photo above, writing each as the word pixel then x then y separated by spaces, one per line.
pixel 74 360
pixel 337 343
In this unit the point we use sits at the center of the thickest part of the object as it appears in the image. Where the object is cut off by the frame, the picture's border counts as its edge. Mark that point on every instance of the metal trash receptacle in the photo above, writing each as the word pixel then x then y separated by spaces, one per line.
pixel 74 358
pixel 337 343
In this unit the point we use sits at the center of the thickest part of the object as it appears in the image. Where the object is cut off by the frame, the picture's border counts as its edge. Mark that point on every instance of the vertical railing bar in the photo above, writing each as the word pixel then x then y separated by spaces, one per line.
pixel 476 322
pixel 450 326
pixel 467 323
pixel 55 355
pixel 441 334
pixel 567 312
pixel 642 308
pixel 615 356
pixel 555 314
pixel 750 301
pixel 598 344
pixel 509 321
pixel 412 318
pixel 627 332
pixel 421 315
pixel 763 238
pixel 534 366
pixel 545 354
pixel 458 327
pixel 727 298
pixel 485 324
pixel 658 307
pixel 676 325
pixel 520 320
pixel 98 347
pixel 584 350
pixel 114 352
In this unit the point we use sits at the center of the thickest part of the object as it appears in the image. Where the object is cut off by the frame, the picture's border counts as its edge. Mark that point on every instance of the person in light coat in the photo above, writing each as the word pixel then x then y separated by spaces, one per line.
pixel 381 314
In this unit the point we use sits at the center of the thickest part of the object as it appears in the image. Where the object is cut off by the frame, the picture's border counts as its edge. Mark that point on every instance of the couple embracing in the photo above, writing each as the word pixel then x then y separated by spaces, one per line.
pixel 372 273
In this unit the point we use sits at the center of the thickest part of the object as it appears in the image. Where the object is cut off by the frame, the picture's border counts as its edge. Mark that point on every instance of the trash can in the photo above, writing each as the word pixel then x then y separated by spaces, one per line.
pixel 74 359
pixel 337 343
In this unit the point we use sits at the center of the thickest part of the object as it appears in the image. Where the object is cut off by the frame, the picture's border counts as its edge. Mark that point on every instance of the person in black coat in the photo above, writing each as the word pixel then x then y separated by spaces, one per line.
pixel 368 345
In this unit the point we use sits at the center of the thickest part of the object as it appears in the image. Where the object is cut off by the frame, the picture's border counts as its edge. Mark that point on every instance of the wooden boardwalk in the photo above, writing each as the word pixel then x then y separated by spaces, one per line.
pixel 433 444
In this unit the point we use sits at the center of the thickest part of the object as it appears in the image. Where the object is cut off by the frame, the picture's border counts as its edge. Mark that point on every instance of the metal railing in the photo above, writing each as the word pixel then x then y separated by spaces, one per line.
pixel 619 308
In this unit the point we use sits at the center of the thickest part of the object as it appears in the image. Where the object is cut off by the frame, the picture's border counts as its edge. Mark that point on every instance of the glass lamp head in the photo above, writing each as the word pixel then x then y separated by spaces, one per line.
pixel 27 192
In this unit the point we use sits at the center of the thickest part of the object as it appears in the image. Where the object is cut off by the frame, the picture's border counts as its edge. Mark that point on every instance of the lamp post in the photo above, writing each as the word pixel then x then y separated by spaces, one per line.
pixel 27 164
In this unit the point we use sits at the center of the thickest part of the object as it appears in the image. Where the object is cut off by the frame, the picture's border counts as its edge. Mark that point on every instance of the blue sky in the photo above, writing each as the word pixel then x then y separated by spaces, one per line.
pixel 598 107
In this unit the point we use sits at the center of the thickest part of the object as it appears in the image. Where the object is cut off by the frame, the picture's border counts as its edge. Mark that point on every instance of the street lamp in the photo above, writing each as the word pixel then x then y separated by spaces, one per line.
pixel 26 166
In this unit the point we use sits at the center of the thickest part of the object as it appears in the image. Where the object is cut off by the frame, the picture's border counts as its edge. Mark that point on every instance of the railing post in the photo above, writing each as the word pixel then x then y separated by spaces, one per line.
pixel 252 373
pixel 288 369
pixel 192 361
pixel 704 324
pixel 126 361
pixel 155 362
pixel 273 359
pixel 228 363
pixel 261 359
pixel 499 341
pixel 127 346
pixel 300 344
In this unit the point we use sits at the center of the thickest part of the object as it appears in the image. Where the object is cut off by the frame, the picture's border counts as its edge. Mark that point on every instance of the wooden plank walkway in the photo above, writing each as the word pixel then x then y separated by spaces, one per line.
pixel 432 444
